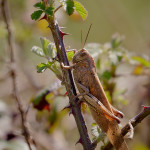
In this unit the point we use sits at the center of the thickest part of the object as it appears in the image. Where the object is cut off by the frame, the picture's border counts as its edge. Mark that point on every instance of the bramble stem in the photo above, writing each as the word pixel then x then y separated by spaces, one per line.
pixel 69 84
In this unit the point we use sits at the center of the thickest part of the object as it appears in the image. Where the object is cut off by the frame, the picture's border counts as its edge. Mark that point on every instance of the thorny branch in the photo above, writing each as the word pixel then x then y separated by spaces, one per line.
pixel 69 84
pixel 7 20
pixel 134 121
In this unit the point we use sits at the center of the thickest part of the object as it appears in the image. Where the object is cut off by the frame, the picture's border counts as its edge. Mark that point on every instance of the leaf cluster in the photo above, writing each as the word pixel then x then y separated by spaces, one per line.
pixel 70 6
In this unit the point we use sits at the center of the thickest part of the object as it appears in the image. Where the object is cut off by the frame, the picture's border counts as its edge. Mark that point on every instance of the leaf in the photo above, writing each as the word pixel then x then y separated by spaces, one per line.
pixel 116 40
pixel 40 5
pixel 36 14
pixel 80 9
pixel 51 50
pixel 94 49
pixel 40 102
pixel 41 67
pixel 106 75
pixel 55 67
pixel 138 70
pixel 44 43
pixel 38 51
pixel 98 134
pixel 70 55
pixel 69 7
pixel 49 11
pixel 108 96
pixel 98 63
pixel 142 61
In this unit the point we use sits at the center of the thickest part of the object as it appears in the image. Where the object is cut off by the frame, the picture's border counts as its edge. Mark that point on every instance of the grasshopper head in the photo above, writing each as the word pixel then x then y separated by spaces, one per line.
pixel 80 55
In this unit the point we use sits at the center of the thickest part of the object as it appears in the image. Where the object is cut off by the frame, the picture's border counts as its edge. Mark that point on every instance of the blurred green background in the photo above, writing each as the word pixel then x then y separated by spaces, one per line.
pixel 128 18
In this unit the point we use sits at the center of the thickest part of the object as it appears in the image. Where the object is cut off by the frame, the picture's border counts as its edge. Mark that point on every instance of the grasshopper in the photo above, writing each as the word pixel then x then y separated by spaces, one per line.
pixel 89 86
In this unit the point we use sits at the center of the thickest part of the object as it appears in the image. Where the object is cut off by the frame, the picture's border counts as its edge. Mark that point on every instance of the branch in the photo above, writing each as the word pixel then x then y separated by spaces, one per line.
pixel 7 20
pixel 134 121
pixel 69 84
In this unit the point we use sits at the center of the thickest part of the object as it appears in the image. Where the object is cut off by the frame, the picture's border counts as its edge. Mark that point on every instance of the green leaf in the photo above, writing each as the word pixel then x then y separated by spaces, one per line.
pixel 98 134
pixel 116 40
pixel 40 5
pixel 36 14
pixel 55 67
pixel 51 50
pixel 98 63
pixel 49 11
pixel 44 43
pixel 80 9
pixel 108 96
pixel 106 75
pixel 69 7
pixel 70 55
pixel 142 61
pixel 39 101
pixel 41 67
pixel 38 51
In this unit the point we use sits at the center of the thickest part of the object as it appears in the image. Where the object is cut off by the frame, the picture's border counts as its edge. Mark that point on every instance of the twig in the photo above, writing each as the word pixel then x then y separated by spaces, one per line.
pixel 57 8
pixel 5 13
pixel 69 84
pixel 134 121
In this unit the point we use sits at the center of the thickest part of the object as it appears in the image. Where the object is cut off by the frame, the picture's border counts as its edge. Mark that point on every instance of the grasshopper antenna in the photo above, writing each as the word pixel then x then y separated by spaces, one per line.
pixel 87 35
pixel 81 40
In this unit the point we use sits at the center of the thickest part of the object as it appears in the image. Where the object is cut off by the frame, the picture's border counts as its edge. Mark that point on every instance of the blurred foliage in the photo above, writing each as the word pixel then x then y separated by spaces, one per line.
pixel 108 58
pixel 107 17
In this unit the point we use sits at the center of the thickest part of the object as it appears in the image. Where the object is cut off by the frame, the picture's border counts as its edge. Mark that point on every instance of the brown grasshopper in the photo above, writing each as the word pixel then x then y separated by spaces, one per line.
pixel 89 86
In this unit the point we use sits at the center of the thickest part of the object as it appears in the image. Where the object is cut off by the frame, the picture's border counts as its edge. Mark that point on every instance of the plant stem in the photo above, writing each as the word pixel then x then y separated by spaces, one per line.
pixel 134 121
pixel 69 84
pixel 5 13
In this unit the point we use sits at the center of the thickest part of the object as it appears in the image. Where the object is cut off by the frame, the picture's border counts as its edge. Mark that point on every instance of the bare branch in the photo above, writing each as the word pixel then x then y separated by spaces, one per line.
pixel 7 20
pixel 134 121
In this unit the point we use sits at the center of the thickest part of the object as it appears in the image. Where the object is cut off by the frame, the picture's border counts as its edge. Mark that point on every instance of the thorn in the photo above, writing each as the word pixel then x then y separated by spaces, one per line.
pixel 66 94
pixel 63 33
pixel 44 17
pixel 71 112
pixel 145 107
pixel 79 141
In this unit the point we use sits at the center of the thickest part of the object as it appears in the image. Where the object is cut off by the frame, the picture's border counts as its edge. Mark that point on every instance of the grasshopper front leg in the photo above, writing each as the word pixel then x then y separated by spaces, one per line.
pixel 96 105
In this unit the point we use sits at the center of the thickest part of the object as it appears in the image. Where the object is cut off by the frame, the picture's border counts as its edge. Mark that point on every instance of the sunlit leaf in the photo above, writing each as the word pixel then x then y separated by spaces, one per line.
pixel 108 96
pixel 51 50
pixel 80 9
pixel 44 43
pixel 138 70
pixel 36 14
pixel 38 51
pixel 142 61
pixel 70 55
pixel 98 63
pixel 41 67
pixel 40 5
pixel 69 6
